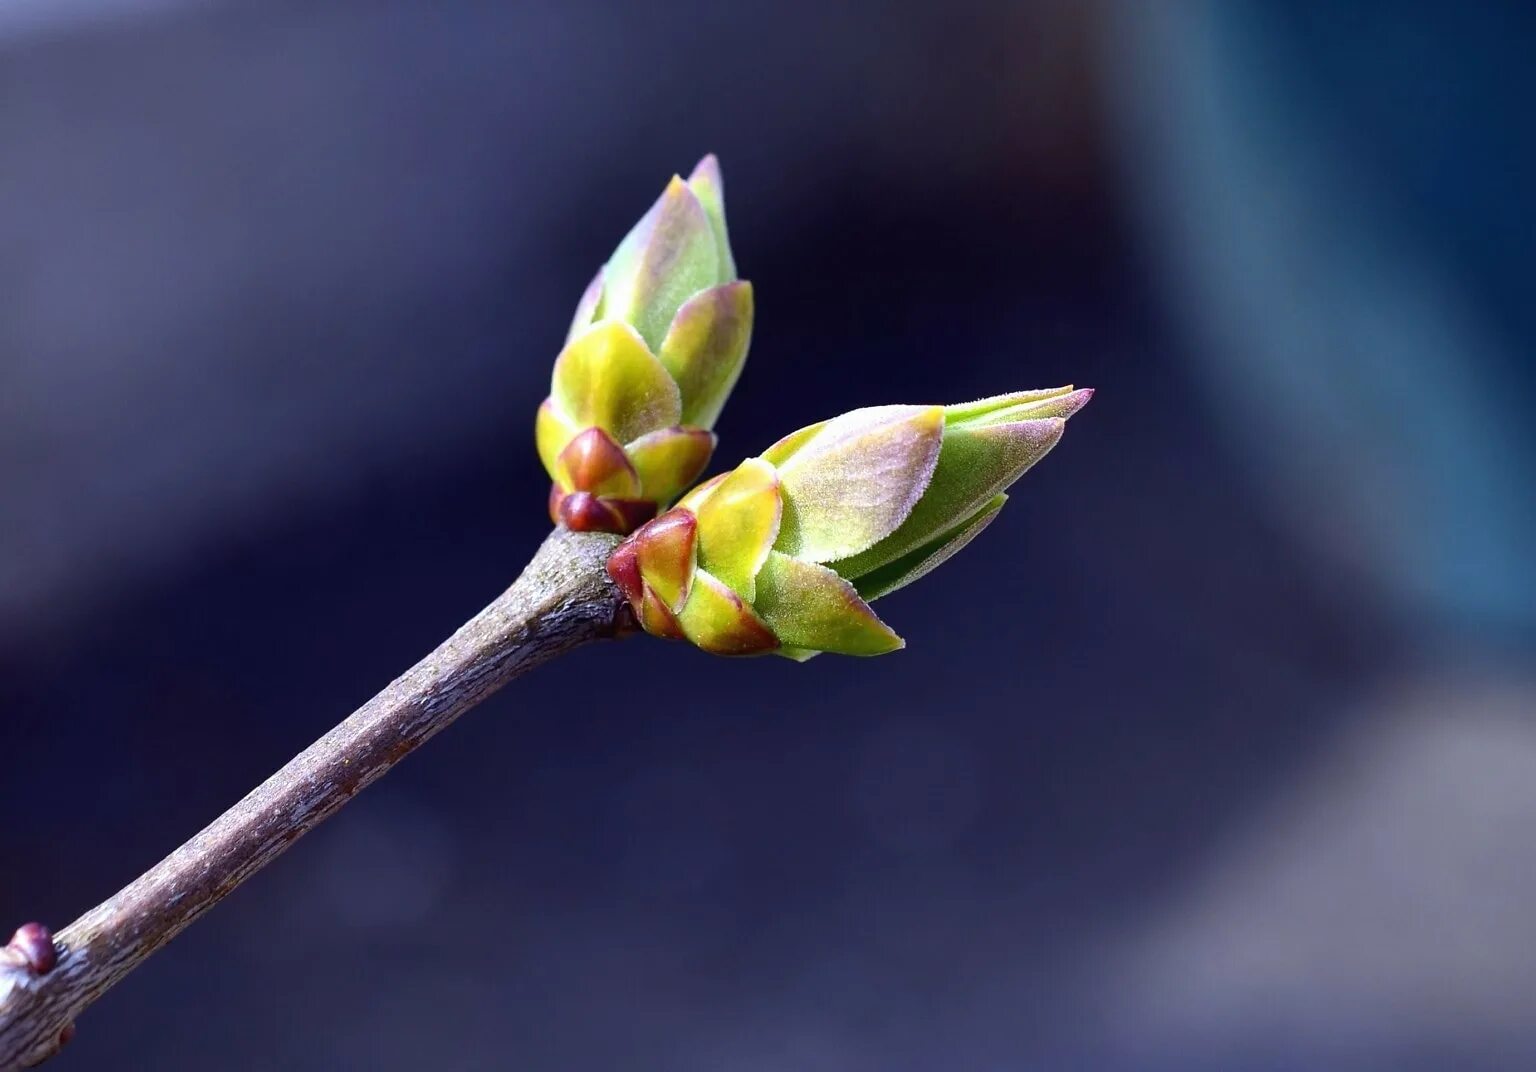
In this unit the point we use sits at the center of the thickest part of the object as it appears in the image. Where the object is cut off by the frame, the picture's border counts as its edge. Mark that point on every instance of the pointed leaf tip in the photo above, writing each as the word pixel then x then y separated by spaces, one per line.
pixel 808 606
pixel 1060 402
pixel 706 347
pixel 670 256
pixel 709 186
pixel 718 621
pixel 978 460
pixel 706 170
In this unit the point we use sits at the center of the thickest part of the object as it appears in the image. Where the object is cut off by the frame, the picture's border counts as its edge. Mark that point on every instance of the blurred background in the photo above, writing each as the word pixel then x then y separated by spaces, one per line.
pixel 1217 751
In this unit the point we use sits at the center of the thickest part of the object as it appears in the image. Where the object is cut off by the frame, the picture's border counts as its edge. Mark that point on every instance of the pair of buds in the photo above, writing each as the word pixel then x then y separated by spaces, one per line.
pixel 784 553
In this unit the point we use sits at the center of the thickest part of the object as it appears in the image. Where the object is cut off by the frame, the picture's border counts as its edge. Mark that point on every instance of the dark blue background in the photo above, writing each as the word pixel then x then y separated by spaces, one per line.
pixel 1215 751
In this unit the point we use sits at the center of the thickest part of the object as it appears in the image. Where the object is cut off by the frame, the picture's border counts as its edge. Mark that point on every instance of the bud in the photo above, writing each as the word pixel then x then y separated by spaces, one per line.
pixel 785 552
pixel 657 343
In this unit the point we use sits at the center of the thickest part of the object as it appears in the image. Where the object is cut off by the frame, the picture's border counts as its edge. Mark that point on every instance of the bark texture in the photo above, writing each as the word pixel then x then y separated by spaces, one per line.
pixel 561 601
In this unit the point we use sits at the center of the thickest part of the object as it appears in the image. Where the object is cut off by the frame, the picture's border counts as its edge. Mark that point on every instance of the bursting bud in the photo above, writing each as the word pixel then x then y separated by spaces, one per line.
pixel 785 553
pixel 657 343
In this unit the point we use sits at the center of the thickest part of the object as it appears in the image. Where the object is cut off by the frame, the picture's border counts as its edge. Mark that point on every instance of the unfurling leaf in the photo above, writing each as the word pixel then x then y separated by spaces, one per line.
pixel 784 553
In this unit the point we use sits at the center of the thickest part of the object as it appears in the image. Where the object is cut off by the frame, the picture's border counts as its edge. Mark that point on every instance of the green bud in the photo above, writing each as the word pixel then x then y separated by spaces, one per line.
pixel 987 445
pixel 657 343
pixel 785 552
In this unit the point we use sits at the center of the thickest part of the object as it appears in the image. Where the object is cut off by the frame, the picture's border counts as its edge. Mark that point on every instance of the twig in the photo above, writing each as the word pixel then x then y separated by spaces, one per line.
pixel 562 600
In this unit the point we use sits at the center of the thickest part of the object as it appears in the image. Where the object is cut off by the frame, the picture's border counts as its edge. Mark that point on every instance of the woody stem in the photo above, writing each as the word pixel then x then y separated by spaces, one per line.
pixel 563 599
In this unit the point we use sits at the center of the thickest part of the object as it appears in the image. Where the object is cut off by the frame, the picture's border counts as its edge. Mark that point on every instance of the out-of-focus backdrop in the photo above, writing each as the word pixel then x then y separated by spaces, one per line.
pixel 1217 751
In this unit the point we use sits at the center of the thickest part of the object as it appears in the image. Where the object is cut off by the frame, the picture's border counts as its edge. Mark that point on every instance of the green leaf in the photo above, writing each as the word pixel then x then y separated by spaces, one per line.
pixel 975 463
pixel 607 378
pixel 707 185
pixel 1019 405
pixel 738 523
pixel 670 460
pixel 856 479
pixel 715 618
pixel 696 497
pixel 668 258
pixel 785 448
pixel 808 606
pixel 914 564
pixel 706 347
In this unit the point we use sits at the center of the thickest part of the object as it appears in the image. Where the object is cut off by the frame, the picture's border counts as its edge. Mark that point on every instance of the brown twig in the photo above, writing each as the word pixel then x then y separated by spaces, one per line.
pixel 562 600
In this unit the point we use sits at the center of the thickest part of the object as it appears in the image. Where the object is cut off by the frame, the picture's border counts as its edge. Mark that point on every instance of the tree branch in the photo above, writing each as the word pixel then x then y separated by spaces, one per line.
pixel 562 600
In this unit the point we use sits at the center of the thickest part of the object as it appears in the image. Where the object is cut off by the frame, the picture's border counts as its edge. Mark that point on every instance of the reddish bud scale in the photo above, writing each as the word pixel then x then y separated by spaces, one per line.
pixel 581 511
pixel 596 488
pixel 594 462
pixel 624 568
pixel 657 618
pixel 657 570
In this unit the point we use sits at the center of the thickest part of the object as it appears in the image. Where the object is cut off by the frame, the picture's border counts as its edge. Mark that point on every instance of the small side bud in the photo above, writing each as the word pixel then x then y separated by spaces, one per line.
pixel 655 347
pixel 31 948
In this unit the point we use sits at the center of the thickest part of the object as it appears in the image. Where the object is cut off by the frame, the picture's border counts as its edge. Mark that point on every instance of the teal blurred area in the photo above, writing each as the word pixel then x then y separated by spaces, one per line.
pixel 1216 751
pixel 1348 233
